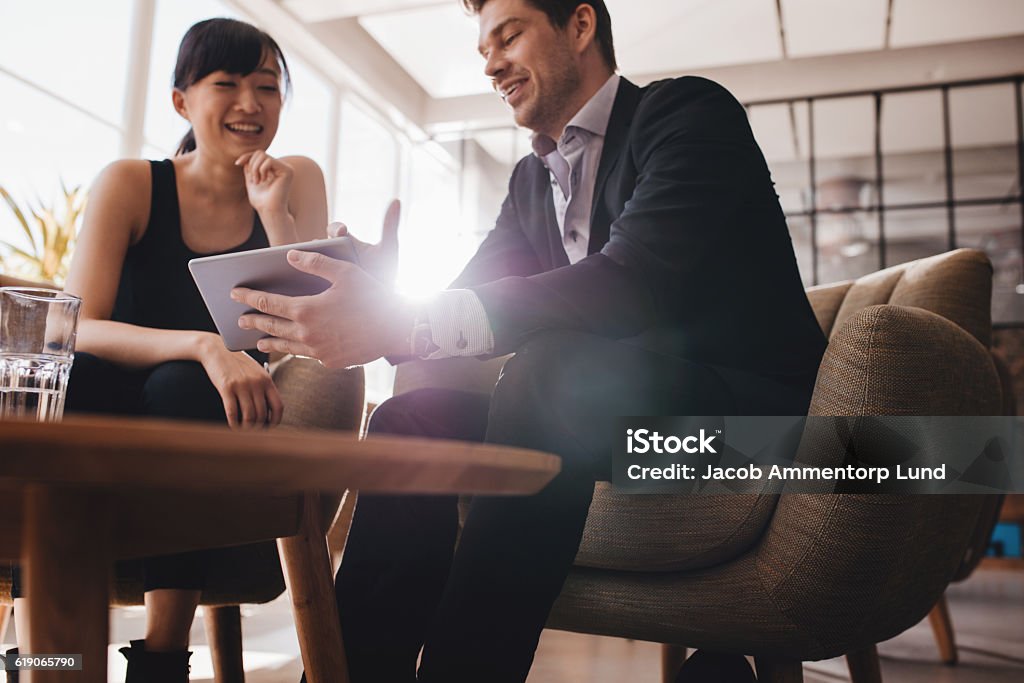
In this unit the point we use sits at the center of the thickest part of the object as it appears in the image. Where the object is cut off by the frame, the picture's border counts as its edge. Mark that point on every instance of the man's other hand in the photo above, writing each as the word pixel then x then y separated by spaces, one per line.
pixel 379 260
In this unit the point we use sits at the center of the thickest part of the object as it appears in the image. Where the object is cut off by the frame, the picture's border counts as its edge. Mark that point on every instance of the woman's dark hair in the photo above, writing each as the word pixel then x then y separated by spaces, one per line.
pixel 559 11
pixel 222 45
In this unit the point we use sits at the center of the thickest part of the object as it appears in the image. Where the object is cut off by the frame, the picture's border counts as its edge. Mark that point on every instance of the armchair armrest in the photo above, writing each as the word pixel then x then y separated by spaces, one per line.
pixel 879 560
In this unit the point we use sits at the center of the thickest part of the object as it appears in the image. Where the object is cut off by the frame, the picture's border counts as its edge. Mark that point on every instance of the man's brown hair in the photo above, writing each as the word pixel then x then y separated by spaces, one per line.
pixel 558 13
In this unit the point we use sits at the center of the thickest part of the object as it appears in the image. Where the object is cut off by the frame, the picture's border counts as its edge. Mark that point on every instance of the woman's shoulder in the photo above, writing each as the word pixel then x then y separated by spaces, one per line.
pixel 128 170
pixel 303 165
pixel 130 179
pixel 125 185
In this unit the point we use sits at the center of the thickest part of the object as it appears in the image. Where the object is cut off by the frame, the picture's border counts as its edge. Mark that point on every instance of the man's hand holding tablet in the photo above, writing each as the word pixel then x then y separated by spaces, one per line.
pixel 356 319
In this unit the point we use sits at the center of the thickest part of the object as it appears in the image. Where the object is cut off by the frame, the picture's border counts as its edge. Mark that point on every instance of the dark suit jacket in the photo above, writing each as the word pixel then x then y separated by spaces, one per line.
pixel 689 252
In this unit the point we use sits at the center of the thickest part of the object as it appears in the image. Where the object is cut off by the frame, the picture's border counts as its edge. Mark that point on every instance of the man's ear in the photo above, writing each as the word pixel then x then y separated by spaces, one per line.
pixel 178 100
pixel 583 26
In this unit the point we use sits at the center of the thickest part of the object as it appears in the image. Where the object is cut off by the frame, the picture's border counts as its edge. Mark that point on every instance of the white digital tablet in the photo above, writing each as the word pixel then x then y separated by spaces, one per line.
pixel 264 269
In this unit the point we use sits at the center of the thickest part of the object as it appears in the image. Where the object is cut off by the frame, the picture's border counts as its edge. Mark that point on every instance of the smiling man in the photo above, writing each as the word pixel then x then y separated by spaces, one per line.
pixel 640 265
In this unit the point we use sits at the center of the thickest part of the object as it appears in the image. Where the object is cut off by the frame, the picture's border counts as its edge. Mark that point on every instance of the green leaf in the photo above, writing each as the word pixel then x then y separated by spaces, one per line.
pixel 31 258
pixel 13 206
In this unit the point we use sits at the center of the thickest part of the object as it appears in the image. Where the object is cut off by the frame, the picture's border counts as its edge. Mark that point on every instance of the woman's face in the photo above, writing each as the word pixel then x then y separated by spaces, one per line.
pixel 233 114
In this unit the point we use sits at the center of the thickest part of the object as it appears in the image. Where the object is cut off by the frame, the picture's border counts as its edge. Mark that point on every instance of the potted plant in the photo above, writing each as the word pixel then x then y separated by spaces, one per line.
pixel 50 231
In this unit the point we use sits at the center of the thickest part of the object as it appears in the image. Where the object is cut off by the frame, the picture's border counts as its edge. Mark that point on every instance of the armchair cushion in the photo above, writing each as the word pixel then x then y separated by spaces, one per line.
pixel 668 533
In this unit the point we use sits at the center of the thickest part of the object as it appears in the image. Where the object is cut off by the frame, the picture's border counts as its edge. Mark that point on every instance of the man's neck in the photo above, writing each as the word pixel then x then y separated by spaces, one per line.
pixel 588 88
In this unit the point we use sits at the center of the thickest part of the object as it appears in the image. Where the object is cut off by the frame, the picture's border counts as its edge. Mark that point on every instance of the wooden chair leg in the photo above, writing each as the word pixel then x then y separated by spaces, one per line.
pixel 5 620
pixel 672 658
pixel 224 636
pixel 307 571
pixel 942 627
pixel 338 533
pixel 864 666
pixel 772 670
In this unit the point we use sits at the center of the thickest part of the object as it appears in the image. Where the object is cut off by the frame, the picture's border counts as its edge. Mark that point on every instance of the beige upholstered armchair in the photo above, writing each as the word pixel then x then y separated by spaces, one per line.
pixel 799 576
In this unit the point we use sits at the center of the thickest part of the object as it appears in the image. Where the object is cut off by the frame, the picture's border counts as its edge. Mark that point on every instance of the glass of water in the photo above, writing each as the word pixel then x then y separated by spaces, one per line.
pixel 37 346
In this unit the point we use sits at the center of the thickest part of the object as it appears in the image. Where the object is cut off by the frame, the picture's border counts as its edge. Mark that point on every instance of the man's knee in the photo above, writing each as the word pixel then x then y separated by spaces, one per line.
pixel 534 400
pixel 541 374
pixel 394 416
pixel 437 413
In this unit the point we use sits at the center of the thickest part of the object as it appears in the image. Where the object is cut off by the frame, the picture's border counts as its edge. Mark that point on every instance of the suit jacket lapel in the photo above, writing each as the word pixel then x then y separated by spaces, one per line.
pixel 626 101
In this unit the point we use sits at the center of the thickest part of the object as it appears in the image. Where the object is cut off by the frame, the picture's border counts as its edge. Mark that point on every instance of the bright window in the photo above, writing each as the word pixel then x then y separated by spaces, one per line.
pixel 78 50
pixel 305 120
pixel 434 233
pixel 367 164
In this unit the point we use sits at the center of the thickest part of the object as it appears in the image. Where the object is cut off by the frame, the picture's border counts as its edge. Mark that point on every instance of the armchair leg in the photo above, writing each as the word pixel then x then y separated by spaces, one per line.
pixel 772 670
pixel 307 572
pixel 338 533
pixel 224 636
pixel 672 658
pixel 864 666
pixel 942 627
pixel 5 620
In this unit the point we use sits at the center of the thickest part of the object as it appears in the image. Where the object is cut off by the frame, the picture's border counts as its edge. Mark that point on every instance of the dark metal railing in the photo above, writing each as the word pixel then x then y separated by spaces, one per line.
pixel 880 208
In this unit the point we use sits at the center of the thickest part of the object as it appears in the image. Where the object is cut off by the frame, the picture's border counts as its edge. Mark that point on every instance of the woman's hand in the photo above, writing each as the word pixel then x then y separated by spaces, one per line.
pixel 250 397
pixel 267 182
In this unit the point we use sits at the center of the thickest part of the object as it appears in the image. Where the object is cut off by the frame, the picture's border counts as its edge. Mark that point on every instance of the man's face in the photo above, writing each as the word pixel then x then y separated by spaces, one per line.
pixel 531 64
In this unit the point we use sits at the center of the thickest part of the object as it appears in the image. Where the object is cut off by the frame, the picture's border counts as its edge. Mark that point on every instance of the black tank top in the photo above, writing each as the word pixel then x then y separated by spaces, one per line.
pixel 156 288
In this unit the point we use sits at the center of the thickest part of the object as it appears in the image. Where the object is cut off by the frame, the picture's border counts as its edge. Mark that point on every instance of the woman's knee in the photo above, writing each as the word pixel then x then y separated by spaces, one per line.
pixel 182 389
pixel 99 386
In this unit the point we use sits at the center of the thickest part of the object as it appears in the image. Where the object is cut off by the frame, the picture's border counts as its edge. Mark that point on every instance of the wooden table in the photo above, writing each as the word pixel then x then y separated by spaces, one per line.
pixel 77 495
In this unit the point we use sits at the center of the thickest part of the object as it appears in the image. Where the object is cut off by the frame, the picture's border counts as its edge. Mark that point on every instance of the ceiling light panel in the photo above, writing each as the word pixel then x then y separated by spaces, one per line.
pixel 824 27
pixel 926 22
pixel 436 45
pixel 328 10
pixel 676 36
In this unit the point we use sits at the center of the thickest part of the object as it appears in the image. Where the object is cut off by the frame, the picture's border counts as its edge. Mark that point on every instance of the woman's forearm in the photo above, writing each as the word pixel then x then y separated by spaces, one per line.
pixel 280 227
pixel 141 347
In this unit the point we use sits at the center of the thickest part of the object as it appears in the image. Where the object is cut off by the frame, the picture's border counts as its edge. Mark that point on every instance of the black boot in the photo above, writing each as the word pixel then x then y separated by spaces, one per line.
pixel 12 674
pixel 155 667
pixel 713 667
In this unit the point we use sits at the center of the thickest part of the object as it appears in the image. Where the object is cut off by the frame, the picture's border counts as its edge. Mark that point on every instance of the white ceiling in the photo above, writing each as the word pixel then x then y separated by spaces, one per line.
pixel 431 45
pixel 925 22
pixel 822 27
pixel 444 68
pixel 434 41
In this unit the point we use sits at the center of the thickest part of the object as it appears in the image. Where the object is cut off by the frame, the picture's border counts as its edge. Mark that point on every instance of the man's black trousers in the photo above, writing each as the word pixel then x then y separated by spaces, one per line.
pixel 477 610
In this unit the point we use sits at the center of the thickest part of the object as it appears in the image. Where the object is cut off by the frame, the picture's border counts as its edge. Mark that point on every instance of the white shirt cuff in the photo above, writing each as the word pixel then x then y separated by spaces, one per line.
pixel 459 324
